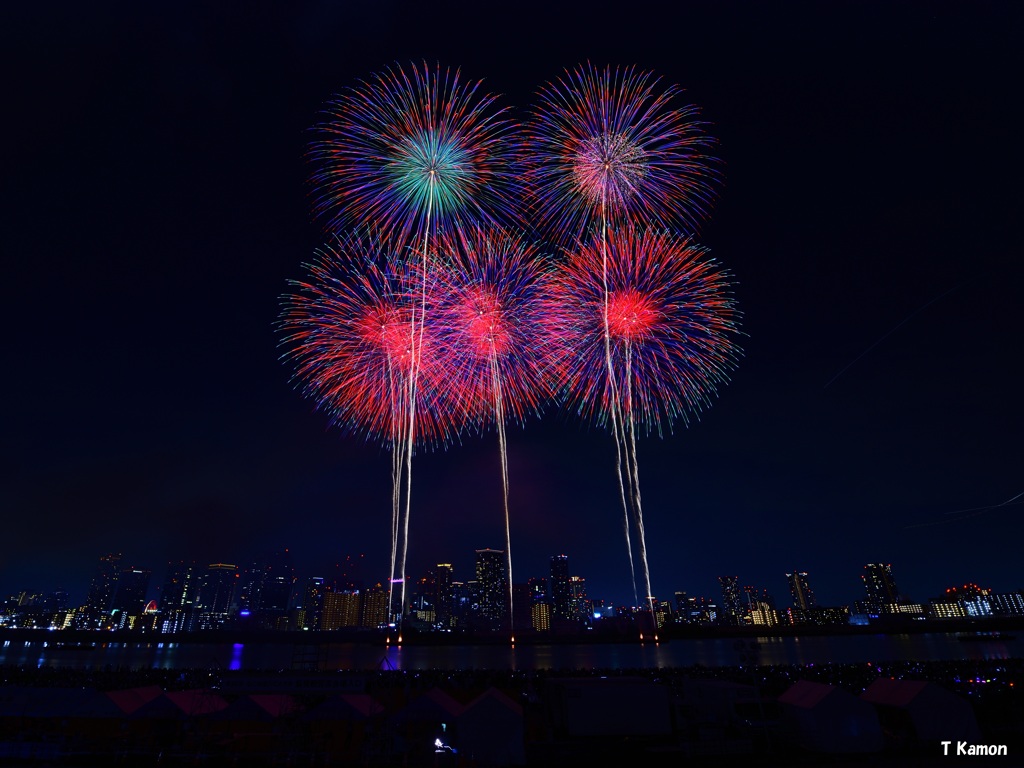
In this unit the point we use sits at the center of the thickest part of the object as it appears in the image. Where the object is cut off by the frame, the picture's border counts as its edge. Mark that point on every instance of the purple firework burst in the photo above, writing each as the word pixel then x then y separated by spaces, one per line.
pixel 604 143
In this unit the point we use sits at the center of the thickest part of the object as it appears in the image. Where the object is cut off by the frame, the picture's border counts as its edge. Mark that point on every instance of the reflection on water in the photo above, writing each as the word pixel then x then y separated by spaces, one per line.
pixel 678 653
pixel 236 656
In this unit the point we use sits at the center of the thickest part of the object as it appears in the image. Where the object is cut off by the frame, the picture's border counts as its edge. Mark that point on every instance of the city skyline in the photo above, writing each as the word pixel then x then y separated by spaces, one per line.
pixel 157 201
pixel 285 586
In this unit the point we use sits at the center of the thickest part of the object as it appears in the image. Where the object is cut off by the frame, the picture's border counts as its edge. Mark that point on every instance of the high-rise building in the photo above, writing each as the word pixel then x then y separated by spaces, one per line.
pixel 266 588
pixel 422 597
pixel 216 595
pixel 732 605
pixel 522 602
pixel 104 585
pixel 540 616
pixel 492 585
pixel 881 587
pixel 130 597
pixel 341 609
pixel 538 590
pixel 561 596
pixel 375 606
pixel 313 602
pixel 444 595
pixel 579 605
pixel 179 589
pixel 803 596
pixel 178 596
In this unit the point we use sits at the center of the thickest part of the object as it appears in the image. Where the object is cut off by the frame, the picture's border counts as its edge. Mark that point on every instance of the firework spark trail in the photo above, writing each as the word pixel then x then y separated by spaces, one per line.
pixel 634 473
pixel 658 308
pixel 615 410
pixel 417 345
pixel 499 420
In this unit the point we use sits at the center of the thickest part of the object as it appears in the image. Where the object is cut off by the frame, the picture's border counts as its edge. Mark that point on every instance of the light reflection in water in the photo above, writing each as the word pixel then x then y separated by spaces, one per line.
pixel 236 656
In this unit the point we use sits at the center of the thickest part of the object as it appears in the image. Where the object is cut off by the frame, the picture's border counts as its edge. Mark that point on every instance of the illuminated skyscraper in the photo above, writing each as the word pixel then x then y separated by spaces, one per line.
pixel 561 596
pixel 803 595
pixel 538 590
pixel 216 594
pixel 341 610
pixel 375 606
pixel 178 596
pixel 313 602
pixel 492 584
pixel 179 590
pixel 579 605
pixel 880 586
pixel 130 597
pixel 104 585
pixel 732 605
pixel 266 588
pixel 444 596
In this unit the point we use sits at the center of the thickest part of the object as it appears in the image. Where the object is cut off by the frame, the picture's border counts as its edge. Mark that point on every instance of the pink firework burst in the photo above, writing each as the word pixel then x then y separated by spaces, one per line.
pixel 605 144
pixel 671 323
pixel 348 332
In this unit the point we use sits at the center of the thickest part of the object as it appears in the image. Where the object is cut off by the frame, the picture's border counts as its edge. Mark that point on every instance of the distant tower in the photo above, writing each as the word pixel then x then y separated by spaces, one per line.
pixel 492 584
pixel 561 597
pixel 179 590
pixel 375 606
pixel 104 585
pixel 880 585
pixel 341 609
pixel 132 585
pixel 538 590
pixel 313 602
pixel 178 596
pixel 216 594
pixel 803 595
pixel 266 588
pixel 732 606
pixel 444 595
pixel 579 606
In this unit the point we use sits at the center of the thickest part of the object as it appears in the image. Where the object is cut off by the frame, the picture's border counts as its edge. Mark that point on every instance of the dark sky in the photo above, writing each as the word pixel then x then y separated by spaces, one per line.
pixel 155 204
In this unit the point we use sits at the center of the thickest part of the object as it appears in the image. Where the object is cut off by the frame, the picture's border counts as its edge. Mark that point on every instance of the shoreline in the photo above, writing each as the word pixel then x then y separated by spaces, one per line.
pixel 1008 624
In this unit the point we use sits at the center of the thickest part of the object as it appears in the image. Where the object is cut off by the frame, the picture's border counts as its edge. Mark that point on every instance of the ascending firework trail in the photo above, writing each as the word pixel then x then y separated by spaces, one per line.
pixel 412 152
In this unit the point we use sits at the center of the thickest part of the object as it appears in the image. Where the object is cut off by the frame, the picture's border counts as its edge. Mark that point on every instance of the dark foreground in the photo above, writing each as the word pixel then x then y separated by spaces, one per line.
pixel 694 716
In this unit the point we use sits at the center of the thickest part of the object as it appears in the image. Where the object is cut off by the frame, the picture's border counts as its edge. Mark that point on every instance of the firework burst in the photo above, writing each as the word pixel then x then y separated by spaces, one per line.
pixel 347 332
pixel 490 320
pixel 606 144
pixel 413 148
pixel 671 323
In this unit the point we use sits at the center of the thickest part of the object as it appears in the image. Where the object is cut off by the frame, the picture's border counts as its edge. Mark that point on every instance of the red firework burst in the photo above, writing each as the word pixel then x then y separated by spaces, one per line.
pixel 671 322
pixel 348 330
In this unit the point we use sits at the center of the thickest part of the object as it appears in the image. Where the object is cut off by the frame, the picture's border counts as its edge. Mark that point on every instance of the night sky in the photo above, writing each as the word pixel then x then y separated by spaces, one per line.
pixel 155 204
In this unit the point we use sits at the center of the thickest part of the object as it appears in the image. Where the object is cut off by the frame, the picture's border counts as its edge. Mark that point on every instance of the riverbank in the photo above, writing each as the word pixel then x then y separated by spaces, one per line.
pixel 897 625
